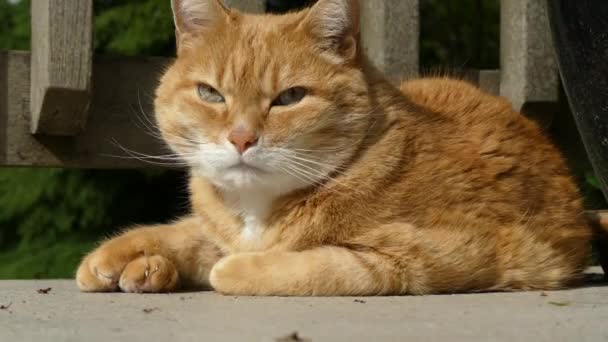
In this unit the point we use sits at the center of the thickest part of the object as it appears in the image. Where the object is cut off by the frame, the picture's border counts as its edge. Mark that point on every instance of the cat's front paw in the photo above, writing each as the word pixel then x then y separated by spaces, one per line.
pixel 149 274
pixel 236 275
pixel 110 269
pixel 101 270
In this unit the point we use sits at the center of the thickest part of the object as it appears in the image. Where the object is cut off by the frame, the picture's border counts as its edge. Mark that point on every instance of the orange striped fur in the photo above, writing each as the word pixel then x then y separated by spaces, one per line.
pixel 360 188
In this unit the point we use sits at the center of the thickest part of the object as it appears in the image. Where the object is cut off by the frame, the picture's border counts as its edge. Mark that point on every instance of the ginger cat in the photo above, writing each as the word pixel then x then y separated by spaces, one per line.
pixel 312 175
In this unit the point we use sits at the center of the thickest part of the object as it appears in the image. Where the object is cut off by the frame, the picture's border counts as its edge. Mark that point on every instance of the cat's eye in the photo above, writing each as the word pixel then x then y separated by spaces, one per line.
pixel 209 94
pixel 290 96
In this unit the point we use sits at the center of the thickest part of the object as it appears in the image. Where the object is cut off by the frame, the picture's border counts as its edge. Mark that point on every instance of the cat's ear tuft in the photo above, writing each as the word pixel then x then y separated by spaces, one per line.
pixel 192 16
pixel 335 24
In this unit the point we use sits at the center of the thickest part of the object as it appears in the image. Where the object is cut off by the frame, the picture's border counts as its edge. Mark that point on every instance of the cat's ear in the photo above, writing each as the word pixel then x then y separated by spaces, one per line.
pixel 335 25
pixel 193 16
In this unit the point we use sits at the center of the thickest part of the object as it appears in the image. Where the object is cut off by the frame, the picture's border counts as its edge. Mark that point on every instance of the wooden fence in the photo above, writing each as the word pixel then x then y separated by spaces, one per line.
pixel 61 106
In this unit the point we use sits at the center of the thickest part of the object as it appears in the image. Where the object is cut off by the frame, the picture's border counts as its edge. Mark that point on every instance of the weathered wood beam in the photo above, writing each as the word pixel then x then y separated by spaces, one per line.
pixel 4 106
pixel 250 6
pixel 390 36
pixel 529 71
pixel 62 52
pixel 121 85
pixel 487 80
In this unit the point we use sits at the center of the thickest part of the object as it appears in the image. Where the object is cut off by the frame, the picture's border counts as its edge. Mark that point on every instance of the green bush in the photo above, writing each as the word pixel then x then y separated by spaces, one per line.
pixel 48 211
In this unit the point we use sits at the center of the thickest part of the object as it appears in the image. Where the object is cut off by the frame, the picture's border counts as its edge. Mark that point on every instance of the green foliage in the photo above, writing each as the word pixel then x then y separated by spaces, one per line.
pixel 592 180
pixel 48 211
pixel 41 217
pixel 592 190
pixel 55 261
pixel 134 27
pixel 122 27
pixel 14 25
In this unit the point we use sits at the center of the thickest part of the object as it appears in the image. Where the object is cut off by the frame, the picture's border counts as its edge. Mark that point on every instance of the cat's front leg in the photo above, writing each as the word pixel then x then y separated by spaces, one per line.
pixel 323 271
pixel 150 259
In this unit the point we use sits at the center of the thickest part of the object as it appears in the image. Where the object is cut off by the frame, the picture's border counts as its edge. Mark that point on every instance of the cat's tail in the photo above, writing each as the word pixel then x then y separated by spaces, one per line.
pixel 599 222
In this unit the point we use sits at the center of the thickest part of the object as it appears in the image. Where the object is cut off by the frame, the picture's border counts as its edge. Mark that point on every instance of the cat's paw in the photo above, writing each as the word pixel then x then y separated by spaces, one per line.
pixel 149 274
pixel 236 274
pixel 106 269
pixel 101 270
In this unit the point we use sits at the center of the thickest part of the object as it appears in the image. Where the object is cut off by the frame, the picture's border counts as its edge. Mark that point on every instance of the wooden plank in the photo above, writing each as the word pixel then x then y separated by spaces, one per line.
pixel 62 51
pixel 250 6
pixel 119 85
pixel 487 80
pixel 4 82
pixel 390 36
pixel 529 70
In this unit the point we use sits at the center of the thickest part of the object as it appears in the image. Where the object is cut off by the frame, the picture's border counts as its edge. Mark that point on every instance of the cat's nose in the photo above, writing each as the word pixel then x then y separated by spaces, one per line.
pixel 242 139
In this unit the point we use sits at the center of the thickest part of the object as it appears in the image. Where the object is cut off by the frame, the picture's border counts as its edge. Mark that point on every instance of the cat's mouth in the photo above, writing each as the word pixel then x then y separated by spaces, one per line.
pixel 244 167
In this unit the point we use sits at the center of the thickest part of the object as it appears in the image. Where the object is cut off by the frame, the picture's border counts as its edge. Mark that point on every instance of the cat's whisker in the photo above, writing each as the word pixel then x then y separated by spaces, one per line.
pixel 295 175
pixel 307 156
pixel 323 174
pixel 147 161
pixel 367 115
pixel 338 149
pixel 328 168
pixel 173 160
pixel 318 173
pixel 151 128
pixel 312 180
pixel 319 178
pixel 176 155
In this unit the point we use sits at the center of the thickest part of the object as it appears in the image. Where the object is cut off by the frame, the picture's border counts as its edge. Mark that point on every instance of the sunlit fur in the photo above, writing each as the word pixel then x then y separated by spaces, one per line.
pixel 359 189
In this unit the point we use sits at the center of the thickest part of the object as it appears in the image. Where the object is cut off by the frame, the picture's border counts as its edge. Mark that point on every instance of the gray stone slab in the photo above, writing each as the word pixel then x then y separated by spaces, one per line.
pixel 64 314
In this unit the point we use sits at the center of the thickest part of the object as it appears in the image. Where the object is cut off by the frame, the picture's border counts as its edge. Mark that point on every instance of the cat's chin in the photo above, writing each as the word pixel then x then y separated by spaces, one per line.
pixel 243 177
pixel 246 169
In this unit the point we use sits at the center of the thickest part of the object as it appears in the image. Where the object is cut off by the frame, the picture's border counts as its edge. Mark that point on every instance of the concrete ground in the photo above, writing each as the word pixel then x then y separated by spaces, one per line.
pixel 64 314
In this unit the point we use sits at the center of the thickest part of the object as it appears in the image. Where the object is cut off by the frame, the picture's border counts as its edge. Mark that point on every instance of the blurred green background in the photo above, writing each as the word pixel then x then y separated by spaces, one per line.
pixel 50 217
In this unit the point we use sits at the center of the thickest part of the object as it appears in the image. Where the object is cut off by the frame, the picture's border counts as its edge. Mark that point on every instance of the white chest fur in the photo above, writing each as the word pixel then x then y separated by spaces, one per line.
pixel 253 208
pixel 253 228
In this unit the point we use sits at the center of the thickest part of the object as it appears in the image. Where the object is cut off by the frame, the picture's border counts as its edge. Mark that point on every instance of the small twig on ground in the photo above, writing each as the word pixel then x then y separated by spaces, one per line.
pixel 543 294
pixel 5 307
pixel 149 310
pixel 45 291
pixel 560 303
pixel 360 301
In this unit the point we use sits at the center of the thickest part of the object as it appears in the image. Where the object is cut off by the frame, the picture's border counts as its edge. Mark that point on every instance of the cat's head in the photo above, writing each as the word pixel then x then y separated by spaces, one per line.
pixel 266 101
